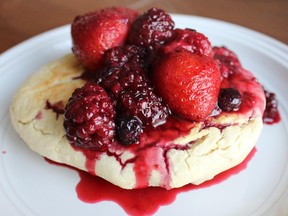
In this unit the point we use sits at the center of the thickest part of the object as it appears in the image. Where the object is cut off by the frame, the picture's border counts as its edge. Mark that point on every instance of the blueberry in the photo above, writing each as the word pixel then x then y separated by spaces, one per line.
pixel 128 129
pixel 229 99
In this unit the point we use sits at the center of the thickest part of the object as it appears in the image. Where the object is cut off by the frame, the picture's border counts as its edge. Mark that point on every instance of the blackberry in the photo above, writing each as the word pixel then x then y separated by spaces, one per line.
pixel 115 57
pixel 145 104
pixel 188 40
pixel 118 56
pixel 125 77
pixel 89 118
pixel 152 29
pixel 117 79
pixel 229 99
pixel 128 129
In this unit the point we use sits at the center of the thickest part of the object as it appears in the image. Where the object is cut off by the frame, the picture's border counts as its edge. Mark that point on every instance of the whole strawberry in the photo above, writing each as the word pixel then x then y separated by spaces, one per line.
pixel 188 83
pixel 95 32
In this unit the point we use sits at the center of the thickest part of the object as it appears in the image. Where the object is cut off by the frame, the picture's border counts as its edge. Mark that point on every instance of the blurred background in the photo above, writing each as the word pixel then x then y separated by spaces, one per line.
pixel 22 19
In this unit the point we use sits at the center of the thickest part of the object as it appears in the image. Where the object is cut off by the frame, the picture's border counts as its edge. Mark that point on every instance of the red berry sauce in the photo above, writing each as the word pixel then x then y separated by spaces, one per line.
pixel 149 154
pixel 57 107
pixel 253 99
pixel 39 115
pixel 271 114
pixel 146 201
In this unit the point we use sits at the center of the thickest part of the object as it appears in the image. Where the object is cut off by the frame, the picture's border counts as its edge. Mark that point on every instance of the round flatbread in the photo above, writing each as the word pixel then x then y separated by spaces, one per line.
pixel 193 156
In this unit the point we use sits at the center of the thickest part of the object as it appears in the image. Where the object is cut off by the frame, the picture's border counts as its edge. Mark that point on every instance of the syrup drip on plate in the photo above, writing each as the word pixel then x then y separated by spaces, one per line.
pixel 146 201
pixel 271 114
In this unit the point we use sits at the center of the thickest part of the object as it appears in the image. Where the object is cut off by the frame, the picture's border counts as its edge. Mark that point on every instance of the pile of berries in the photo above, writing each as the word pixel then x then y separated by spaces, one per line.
pixel 142 70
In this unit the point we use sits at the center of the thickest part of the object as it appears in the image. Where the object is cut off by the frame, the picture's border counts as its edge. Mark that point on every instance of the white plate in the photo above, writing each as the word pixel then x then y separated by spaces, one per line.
pixel 31 186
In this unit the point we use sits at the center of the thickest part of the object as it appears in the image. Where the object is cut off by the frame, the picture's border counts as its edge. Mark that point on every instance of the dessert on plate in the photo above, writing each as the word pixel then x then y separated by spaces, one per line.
pixel 141 103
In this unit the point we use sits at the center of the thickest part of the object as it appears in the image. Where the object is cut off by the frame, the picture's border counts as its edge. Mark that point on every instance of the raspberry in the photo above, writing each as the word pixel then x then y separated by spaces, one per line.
pixel 188 40
pixel 229 99
pixel 145 104
pixel 152 29
pixel 89 118
pixel 228 60
pixel 128 129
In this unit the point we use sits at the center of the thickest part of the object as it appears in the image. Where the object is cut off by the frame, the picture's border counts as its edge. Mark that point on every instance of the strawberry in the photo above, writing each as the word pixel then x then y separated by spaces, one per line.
pixel 188 83
pixel 95 32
